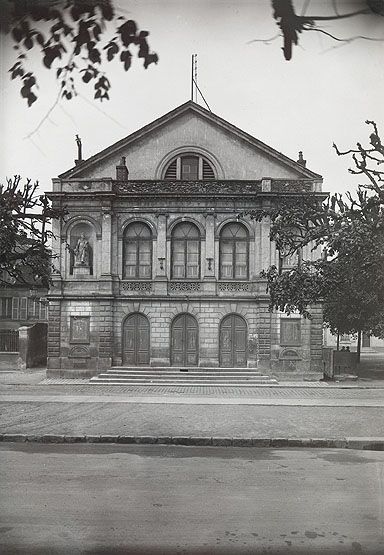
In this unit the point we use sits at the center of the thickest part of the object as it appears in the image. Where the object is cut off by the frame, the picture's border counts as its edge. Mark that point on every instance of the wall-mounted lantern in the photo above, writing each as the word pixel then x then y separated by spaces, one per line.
pixel 161 262
pixel 210 263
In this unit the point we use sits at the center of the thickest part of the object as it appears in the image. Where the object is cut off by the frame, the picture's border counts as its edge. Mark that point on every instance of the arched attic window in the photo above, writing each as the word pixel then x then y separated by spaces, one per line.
pixel 189 167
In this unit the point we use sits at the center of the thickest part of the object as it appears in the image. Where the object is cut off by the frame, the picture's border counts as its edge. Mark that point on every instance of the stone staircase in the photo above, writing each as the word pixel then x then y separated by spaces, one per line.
pixel 171 376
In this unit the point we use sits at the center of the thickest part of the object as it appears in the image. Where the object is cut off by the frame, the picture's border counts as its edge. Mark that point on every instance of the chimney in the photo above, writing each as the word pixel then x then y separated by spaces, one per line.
pixel 301 160
pixel 122 170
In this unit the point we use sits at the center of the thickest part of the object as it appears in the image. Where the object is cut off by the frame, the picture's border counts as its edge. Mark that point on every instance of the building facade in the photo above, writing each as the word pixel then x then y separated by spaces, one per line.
pixel 20 307
pixel 158 262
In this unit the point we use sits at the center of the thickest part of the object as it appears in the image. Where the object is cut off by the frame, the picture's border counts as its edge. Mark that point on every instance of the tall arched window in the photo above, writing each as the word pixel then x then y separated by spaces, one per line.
pixel 137 252
pixel 190 167
pixel 234 252
pixel 185 251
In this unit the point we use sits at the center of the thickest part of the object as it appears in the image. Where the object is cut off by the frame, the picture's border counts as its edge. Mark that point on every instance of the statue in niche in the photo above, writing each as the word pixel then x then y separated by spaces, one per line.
pixel 81 252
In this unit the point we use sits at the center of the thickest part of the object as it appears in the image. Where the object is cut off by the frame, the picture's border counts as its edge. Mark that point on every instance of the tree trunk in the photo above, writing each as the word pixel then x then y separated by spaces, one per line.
pixel 358 346
pixel 338 342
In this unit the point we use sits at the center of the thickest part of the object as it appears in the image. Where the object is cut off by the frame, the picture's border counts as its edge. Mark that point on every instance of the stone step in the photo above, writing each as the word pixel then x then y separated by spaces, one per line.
pixel 217 383
pixel 182 376
pixel 181 369
pixel 192 380
pixel 186 374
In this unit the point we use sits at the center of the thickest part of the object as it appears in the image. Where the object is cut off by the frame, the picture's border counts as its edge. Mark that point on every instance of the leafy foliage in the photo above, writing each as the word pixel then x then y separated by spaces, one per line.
pixel 350 231
pixel 25 257
pixel 73 37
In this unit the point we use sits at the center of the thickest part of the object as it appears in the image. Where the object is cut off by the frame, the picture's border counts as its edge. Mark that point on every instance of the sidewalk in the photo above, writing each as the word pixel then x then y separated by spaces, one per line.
pixel 311 415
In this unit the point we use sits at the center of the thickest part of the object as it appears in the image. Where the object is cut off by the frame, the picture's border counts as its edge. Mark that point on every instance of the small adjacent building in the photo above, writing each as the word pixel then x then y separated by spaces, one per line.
pixel 21 307
pixel 159 264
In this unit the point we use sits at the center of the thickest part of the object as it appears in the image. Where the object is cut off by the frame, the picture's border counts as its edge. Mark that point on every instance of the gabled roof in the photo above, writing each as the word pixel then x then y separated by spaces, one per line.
pixel 189 106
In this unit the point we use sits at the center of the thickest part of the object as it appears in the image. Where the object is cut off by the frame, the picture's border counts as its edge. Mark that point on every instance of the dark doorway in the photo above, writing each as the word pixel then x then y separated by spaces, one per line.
pixel 366 340
pixel 233 342
pixel 184 341
pixel 136 340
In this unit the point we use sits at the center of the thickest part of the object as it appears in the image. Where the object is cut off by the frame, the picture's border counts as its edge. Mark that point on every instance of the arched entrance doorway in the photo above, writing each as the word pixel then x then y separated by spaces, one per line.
pixel 184 341
pixel 233 342
pixel 136 340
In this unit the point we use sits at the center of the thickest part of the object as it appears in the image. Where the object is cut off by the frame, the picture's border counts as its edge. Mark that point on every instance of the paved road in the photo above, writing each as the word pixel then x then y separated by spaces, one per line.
pixel 164 500
pixel 261 412
pixel 164 419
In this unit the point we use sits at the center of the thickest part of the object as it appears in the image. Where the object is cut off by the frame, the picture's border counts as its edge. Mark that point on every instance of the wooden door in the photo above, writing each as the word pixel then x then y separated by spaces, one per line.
pixel 136 340
pixel 184 341
pixel 233 342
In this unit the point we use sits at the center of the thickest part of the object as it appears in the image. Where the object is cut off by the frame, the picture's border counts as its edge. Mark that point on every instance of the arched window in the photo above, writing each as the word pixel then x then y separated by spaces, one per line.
pixel 137 252
pixel 190 167
pixel 234 252
pixel 185 251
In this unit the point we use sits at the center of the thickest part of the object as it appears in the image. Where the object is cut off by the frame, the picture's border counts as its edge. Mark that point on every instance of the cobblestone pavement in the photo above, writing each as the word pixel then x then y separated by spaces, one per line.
pixel 165 419
pixel 313 411
pixel 125 392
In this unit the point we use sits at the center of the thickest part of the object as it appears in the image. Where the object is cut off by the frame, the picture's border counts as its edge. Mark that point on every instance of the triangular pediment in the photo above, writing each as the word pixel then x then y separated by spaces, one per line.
pixel 190 126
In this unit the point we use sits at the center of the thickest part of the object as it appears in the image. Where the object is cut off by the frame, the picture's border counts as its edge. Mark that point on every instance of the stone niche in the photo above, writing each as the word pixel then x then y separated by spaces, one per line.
pixel 82 243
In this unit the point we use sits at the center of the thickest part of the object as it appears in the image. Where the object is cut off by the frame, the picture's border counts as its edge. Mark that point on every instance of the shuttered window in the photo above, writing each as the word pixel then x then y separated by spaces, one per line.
pixel 43 310
pixel 189 167
pixel 5 308
pixel 15 308
pixel 23 308
pixel 208 172
pixel 171 171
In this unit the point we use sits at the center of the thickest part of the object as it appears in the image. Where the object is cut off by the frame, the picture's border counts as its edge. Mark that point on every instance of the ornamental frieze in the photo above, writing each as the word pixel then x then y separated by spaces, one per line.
pixel 188 187
pixel 291 186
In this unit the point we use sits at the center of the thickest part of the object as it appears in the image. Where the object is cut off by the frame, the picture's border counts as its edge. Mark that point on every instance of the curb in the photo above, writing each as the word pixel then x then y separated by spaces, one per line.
pixel 364 443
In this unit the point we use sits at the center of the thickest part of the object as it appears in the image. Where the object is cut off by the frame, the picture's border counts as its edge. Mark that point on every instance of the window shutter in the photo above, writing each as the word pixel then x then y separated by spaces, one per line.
pixel 207 170
pixel 171 172
pixel 31 309
pixel 43 311
pixel 23 308
pixel 15 308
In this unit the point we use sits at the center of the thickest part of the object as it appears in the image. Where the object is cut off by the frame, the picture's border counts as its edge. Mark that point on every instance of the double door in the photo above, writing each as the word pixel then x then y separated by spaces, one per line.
pixel 233 342
pixel 184 341
pixel 136 340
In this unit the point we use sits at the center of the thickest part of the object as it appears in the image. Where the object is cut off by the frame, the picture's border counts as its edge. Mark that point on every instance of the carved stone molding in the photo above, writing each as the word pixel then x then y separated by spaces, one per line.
pixel 292 185
pixel 79 352
pixel 185 187
pixel 290 354
pixel 136 286
pixel 184 287
pixel 234 287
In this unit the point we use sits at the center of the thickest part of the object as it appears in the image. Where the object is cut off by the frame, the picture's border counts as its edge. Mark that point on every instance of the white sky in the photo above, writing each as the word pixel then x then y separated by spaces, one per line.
pixel 323 94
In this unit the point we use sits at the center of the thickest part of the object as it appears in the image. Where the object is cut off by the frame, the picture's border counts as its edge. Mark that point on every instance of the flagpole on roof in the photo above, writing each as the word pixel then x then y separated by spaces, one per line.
pixel 194 85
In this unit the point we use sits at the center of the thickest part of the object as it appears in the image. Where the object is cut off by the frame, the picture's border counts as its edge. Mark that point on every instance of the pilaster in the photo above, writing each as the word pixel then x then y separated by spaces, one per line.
pixel 209 266
pixel 161 264
pixel 106 241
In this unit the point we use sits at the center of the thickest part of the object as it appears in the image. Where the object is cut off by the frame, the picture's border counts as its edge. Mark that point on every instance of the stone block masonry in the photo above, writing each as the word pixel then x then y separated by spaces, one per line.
pixel 107 336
